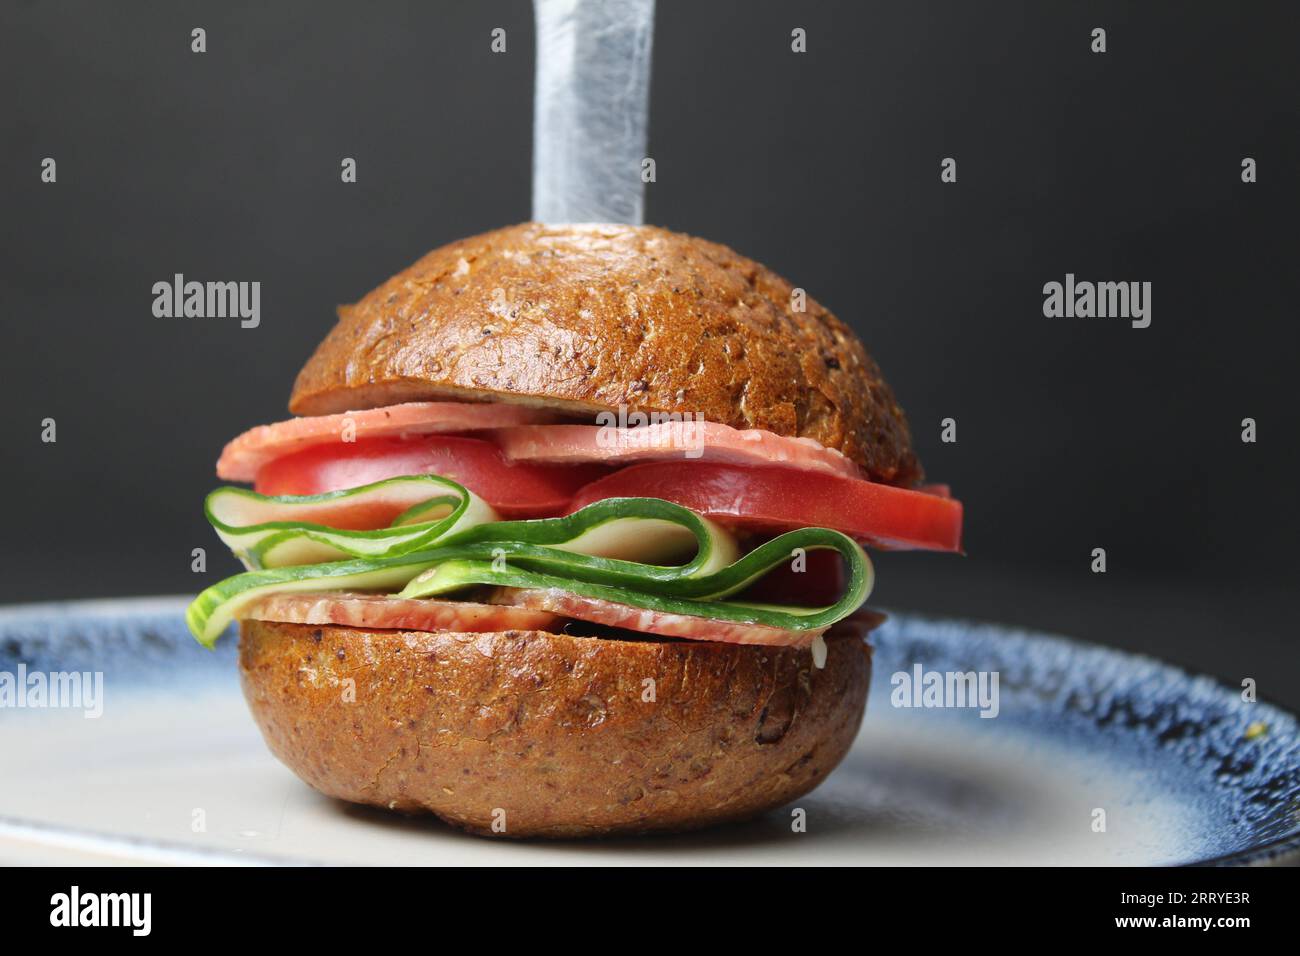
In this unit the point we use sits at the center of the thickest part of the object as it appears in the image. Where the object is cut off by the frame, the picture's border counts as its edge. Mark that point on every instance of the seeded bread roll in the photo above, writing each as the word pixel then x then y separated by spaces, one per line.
pixel 550 735
pixel 590 317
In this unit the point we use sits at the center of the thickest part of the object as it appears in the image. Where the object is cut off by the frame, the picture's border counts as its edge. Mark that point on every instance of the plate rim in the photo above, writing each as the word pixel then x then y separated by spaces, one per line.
pixel 1280 851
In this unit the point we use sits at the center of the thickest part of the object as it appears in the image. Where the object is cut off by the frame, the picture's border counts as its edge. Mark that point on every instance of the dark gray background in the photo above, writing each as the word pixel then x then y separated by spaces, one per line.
pixel 1073 433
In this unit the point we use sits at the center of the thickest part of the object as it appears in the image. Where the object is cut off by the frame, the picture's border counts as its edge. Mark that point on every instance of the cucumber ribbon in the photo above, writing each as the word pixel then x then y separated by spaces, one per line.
pixel 446 539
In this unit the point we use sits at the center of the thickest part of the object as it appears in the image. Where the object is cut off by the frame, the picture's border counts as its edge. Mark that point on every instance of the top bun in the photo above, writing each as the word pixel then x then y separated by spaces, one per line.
pixel 586 318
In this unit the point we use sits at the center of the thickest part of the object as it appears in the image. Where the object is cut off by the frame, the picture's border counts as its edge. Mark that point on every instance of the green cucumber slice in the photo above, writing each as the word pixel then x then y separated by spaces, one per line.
pixel 448 539
pixel 213 610
pixel 550 552
pixel 450 576
pixel 269 531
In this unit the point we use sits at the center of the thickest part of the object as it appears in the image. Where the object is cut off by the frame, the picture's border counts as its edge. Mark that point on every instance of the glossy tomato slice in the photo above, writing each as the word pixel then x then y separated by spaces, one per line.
pixel 514 490
pixel 783 499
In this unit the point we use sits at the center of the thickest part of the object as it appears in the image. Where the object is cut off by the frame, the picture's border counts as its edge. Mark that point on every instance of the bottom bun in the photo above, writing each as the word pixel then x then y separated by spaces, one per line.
pixel 532 734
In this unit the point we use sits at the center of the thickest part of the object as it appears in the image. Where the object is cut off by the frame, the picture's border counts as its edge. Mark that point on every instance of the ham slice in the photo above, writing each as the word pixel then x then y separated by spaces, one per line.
pixel 646 621
pixel 710 441
pixel 524 609
pixel 244 456
pixel 384 611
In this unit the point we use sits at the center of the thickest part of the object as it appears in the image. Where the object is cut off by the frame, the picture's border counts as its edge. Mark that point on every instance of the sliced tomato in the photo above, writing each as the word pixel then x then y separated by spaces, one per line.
pixel 782 499
pixel 514 490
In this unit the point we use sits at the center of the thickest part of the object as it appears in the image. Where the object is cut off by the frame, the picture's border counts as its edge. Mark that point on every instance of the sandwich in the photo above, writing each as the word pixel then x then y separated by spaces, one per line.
pixel 568 537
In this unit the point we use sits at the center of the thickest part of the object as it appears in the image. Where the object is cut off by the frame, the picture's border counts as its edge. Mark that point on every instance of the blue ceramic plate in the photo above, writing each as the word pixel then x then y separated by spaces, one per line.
pixel 1093 757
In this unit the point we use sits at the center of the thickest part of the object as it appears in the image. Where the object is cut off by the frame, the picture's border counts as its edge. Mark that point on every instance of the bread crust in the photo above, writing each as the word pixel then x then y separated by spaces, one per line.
pixel 548 734
pixel 588 318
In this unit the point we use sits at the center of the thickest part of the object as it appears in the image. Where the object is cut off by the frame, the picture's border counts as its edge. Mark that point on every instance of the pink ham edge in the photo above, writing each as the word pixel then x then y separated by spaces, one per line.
pixel 646 621
pixel 708 441
pixel 245 455
pixel 383 611
pixel 524 609
pixel 528 434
